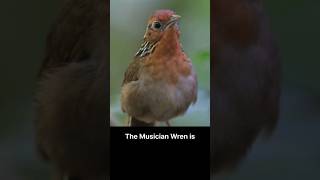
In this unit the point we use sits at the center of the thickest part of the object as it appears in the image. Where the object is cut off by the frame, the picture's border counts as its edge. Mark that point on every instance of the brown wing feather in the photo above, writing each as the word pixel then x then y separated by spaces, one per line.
pixel 132 73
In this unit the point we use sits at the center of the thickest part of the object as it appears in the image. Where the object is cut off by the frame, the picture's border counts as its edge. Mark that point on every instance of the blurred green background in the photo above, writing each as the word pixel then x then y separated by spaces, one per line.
pixel 127 26
pixel 292 153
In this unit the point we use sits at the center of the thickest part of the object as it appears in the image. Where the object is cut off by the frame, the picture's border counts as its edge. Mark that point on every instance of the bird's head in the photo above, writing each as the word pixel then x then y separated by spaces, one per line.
pixel 161 22
pixel 162 32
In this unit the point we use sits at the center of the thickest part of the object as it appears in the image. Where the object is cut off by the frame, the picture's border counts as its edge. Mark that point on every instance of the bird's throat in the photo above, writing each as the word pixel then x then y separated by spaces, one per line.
pixel 169 44
pixel 168 62
pixel 146 48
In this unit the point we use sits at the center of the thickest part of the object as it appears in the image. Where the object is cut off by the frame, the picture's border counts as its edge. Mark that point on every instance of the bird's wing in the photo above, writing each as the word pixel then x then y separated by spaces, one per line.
pixel 132 72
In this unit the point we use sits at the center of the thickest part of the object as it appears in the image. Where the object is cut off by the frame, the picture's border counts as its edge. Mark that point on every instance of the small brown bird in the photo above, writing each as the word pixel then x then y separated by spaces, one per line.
pixel 160 83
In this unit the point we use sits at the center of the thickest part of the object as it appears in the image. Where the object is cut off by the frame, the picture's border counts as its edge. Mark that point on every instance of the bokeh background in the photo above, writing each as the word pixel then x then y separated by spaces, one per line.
pixel 128 23
pixel 292 153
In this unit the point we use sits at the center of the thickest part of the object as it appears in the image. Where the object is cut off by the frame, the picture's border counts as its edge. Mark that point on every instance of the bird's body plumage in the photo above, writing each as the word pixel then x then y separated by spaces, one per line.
pixel 160 84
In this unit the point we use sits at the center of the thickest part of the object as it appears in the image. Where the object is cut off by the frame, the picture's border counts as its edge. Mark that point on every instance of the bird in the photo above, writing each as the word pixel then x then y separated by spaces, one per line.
pixel 160 83
pixel 246 81
pixel 71 99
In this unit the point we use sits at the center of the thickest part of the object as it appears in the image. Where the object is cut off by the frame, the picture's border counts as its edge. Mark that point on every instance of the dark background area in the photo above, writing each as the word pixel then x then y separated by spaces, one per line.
pixel 24 26
pixel 293 152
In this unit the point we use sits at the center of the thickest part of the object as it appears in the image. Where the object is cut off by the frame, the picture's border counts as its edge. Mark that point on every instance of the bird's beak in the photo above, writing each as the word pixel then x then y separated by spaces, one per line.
pixel 173 19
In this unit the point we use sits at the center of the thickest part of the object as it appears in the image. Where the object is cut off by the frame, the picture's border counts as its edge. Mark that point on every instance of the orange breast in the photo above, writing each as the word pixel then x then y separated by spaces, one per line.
pixel 168 62
pixel 168 68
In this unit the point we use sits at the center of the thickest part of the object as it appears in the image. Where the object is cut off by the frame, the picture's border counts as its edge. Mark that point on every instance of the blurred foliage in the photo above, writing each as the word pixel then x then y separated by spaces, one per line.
pixel 127 27
pixel 203 56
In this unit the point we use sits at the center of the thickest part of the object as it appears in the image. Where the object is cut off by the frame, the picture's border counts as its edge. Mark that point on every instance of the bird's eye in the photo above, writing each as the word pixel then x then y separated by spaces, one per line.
pixel 157 25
